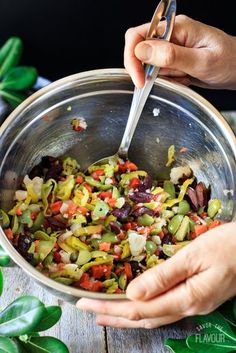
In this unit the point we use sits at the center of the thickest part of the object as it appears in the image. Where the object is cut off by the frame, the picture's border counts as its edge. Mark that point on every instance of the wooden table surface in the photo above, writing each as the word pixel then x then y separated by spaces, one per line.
pixel 79 330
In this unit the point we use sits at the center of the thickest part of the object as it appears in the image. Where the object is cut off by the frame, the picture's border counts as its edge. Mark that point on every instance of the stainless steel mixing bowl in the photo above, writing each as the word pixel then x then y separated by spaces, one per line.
pixel 173 115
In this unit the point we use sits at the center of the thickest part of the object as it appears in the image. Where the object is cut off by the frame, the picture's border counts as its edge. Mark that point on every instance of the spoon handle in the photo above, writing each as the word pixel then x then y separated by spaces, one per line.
pixel 166 9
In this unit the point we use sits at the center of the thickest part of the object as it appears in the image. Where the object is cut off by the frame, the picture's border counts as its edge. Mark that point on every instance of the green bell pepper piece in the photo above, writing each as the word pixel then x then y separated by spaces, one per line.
pixel 45 247
pixel 175 223
pixel 169 188
pixel 84 257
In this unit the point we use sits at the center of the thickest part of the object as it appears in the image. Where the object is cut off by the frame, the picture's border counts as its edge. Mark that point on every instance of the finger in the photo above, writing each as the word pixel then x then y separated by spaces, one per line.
pixel 132 64
pixel 164 54
pixel 164 276
pixel 120 322
pixel 171 73
pixel 173 303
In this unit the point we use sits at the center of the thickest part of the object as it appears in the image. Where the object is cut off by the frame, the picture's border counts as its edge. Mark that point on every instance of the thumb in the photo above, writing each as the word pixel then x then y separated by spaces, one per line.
pixel 164 54
pixel 161 278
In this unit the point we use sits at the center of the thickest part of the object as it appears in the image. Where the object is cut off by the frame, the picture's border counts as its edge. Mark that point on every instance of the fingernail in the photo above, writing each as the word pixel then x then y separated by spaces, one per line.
pixel 143 51
pixel 135 290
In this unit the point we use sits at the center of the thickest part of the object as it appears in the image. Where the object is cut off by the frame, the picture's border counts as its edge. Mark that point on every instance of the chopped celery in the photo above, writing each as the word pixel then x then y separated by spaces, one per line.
pixel 45 247
pixel 4 219
pixel 109 237
pixel 183 229
pixel 174 223
pixel 100 210
pixel 171 249
pixel 145 220
pixel 40 235
pixel 84 257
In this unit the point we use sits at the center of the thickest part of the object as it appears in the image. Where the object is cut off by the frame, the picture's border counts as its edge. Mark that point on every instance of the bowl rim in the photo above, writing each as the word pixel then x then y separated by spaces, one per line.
pixel 68 80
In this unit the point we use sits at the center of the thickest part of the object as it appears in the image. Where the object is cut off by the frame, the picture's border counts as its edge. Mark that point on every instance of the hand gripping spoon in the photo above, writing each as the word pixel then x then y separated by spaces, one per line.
pixel 166 9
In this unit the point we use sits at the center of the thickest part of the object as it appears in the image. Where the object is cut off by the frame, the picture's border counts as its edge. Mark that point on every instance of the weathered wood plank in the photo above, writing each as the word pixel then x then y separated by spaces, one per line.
pixel 143 341
pixel 77 329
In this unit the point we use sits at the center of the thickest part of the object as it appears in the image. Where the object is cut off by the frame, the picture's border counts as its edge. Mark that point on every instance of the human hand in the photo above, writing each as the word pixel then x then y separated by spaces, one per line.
pixel 198 54
pixel 196 280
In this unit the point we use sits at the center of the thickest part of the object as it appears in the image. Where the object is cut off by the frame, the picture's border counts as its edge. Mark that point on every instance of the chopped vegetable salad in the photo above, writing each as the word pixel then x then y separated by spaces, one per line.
pixel 100 230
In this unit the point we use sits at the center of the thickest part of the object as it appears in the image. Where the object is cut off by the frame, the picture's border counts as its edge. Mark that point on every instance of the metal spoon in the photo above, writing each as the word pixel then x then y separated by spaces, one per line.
pixel 166 9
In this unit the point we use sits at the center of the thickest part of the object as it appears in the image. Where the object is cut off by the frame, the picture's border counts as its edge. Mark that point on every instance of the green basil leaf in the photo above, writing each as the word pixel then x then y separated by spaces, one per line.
pixel 7 345
pixel 20 347
pixel 12 97
pixel 227 310
pixel 10 54
pixel 217 323
pixel 45 344
pixel 4 258
pixel 19 78
pixel 21 316
pixel 177 346
pixel 50 318
pixel 1 282
pixel 234 311
pixel 210 342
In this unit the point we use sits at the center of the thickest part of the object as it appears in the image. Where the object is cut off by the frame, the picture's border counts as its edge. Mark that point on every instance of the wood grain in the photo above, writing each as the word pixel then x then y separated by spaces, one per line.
pixel 76 328
pixel 79 330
